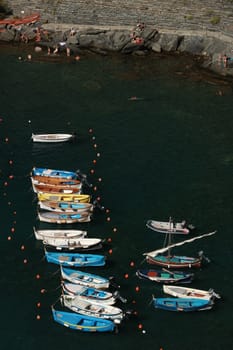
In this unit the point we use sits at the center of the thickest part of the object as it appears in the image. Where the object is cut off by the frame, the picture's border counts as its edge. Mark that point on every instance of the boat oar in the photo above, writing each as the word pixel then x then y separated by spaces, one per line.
pixel 165 270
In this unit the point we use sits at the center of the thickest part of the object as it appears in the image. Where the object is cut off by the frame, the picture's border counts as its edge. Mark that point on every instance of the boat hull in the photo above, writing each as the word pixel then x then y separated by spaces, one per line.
pixel 57 218
pixel 51 138
pixel 165 277
pixel 82 323
pixel 75 259
pixel 78 198
pixel 54 173
pixel 91 308
pixel 48 234
pixel 84 279
pixel 174 262
pixel 88 293
pixel 180 304
pixel 66 207
pixel 168 227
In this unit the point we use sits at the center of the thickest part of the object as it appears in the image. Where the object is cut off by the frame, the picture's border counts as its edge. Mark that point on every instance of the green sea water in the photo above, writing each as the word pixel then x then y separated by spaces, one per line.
pixel 169 153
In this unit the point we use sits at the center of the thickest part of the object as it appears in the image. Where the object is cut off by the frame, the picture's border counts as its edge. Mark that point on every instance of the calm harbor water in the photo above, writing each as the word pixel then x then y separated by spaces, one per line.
pixel 167 154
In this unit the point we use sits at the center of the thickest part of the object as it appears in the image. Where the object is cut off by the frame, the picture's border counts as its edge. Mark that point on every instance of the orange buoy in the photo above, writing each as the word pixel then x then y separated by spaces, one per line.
pixel 114 229
pixel 126 275
pixel 98 154
pixel 90 131
pixel 38 317
pixel 132 263
pixel 92 171
pixel 99 179
pixel 109 239
pixel 43 291
pixel 25 261
pixel 22 247
pixel 10 161
pixel 95 188
pixel 137 288
pixel 108 218
pixel 38 304
pixel 140 326
pixel 12 229
pixel 9 238
pixel 110 251
pixel 94 161
pixel 38 276
pixel 11 177
pixel 95 145
pixel 107 210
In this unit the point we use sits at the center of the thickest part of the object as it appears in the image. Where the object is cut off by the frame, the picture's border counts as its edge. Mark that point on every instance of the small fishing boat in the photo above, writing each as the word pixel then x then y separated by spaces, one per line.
pixel 62 218
pixel 19 21
pixel 75 259
pixel 73 243
pixel 183 292
pixel 169 227
pixel 90 308
pixel 83 323
pixel 78 198
pixel 89 293
pixel 67 207
pixel 57 189
pixel 165 276
pixel 45 234
pixel 52 138
pixel 176 261
pixel 84 278
pixel 54 180
pixel 54 173
pixel 182 304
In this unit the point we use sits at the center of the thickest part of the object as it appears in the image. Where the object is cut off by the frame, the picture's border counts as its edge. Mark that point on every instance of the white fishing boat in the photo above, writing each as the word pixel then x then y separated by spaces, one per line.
pixel 170 226
pixel 51 138
pixel 73 243
pixel 46 234
pixel 63 218
pixel 90 308
pixel 84 278
pixel 89 293
pixel 183 292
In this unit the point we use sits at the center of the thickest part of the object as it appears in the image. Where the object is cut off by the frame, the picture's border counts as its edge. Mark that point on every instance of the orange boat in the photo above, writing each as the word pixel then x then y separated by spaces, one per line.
pixel 54 180
pixel 24 20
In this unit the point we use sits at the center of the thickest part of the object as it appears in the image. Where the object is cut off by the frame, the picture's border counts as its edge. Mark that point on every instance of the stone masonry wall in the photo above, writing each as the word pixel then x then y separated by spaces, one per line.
pixel 186 14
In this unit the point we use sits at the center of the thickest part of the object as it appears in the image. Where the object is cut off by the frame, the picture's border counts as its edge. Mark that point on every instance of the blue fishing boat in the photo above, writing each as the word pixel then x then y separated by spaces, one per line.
pixel 182 304
pixel 83 323
pixel 54 173
pixel 75 259
pixel 84 278
pixel 165 276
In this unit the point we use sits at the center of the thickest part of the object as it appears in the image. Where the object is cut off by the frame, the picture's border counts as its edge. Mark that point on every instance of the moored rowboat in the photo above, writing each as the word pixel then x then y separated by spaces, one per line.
pixel 51 138
pixel 165 276
pixel 90 308
pixel 84 278
pixel 83 323
pixel 182 304
pixel 183 292
pixel 62 218
pixel 78 198
pixel 54 173
pixel 57 189
pixel 89 293
pixel 75 259
pixel 54 180
pixel 73 243
pixel 45 234
pixel 67 207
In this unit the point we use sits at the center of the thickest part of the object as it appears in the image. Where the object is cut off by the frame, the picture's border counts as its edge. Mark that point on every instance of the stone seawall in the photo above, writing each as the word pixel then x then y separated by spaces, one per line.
pixel 188 14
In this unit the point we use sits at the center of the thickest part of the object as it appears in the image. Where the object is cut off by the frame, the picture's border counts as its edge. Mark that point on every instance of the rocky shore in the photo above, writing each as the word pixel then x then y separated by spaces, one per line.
pixel 212 49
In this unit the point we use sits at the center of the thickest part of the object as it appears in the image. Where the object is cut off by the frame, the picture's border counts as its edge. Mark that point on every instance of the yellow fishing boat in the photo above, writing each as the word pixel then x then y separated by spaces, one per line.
pixel 81 198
